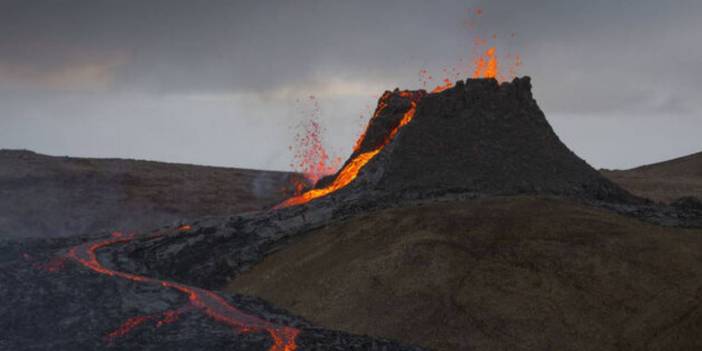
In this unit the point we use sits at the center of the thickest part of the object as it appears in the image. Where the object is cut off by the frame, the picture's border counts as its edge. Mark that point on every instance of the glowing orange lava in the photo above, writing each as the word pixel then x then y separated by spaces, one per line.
pixel 345 177
pixel 485 64
pixel 169 317
pixel 310 155
pixel 382 104
pixel 211 304
pixel 132 323
pixel 351 169
pixel 126 327
pixel 439 88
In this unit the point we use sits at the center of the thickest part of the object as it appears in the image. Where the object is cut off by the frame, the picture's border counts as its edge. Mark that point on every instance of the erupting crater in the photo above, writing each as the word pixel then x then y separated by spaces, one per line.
pixel 474 136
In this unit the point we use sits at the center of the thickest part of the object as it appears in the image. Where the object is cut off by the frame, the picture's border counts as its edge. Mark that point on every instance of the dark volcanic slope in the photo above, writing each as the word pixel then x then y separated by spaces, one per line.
pixel 56 298
pixel 663 181
pixel 513 273
pixel 57 196
pixel 479 136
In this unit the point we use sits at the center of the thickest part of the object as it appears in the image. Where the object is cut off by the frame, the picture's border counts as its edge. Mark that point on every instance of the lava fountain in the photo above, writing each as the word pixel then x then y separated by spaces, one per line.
pixel 486 66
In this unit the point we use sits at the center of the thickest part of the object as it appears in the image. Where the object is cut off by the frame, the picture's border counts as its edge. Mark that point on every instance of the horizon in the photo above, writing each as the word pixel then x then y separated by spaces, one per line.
pixel 180 82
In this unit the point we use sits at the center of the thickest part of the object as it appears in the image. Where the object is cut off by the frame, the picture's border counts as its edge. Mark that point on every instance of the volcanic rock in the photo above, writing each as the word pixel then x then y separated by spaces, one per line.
pixel 481 137
pixel 688 203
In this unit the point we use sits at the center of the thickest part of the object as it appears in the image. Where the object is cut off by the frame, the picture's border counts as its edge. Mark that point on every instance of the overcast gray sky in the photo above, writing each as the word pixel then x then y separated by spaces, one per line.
pixel 218 82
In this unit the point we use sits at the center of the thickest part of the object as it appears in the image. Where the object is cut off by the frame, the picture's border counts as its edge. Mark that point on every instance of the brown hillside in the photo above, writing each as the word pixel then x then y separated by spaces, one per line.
pixel 663 181
pixel 55 196
pixel 495 274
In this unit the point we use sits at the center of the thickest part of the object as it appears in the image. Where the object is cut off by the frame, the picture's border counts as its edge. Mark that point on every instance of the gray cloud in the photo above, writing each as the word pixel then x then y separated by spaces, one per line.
pixel 596 60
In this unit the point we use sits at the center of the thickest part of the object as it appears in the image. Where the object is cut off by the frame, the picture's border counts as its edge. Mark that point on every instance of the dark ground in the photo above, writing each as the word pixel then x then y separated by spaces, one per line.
pixel 52 303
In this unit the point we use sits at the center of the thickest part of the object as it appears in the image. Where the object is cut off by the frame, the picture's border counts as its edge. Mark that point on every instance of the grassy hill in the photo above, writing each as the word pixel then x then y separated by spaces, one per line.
pixel 506 273
pixel 663 181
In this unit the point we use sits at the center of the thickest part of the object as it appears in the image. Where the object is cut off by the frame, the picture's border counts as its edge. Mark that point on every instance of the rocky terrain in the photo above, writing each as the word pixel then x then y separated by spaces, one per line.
pixel 459 222
pixel 664 181
pixel 55 297
pixel 44 196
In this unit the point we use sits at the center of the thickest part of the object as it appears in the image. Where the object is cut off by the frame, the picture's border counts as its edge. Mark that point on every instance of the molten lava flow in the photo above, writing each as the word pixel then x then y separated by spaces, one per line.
pixel 382 104
pixel 406 118
pixel 447 85
pixel 211 304
pixel 126 327
pixel 169 317
pixel 345 177
pixel 132 323
pixel 351 169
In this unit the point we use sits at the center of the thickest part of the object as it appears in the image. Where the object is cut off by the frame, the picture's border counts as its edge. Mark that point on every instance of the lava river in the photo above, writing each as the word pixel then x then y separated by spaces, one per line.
pixel 208 302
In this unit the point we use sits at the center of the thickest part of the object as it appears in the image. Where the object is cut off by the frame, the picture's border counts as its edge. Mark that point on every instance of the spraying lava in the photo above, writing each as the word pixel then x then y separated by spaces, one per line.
pixel 311 158
pixel 349 172
pixel 485 64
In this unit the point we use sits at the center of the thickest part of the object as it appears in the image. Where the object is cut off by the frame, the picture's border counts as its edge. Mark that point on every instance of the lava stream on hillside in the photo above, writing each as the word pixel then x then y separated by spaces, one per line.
pixel 208 302
pixel 350 170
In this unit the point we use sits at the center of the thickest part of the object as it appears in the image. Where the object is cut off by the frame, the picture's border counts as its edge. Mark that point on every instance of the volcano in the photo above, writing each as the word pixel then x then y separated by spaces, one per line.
pixel 516 256
pixel 477 137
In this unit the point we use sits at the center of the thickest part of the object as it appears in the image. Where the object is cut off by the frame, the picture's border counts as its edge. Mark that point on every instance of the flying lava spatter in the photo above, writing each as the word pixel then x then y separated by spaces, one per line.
pixel 349 172
pixel 209 303
pixel 311 158
pixel 315 163
pixel 484 65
